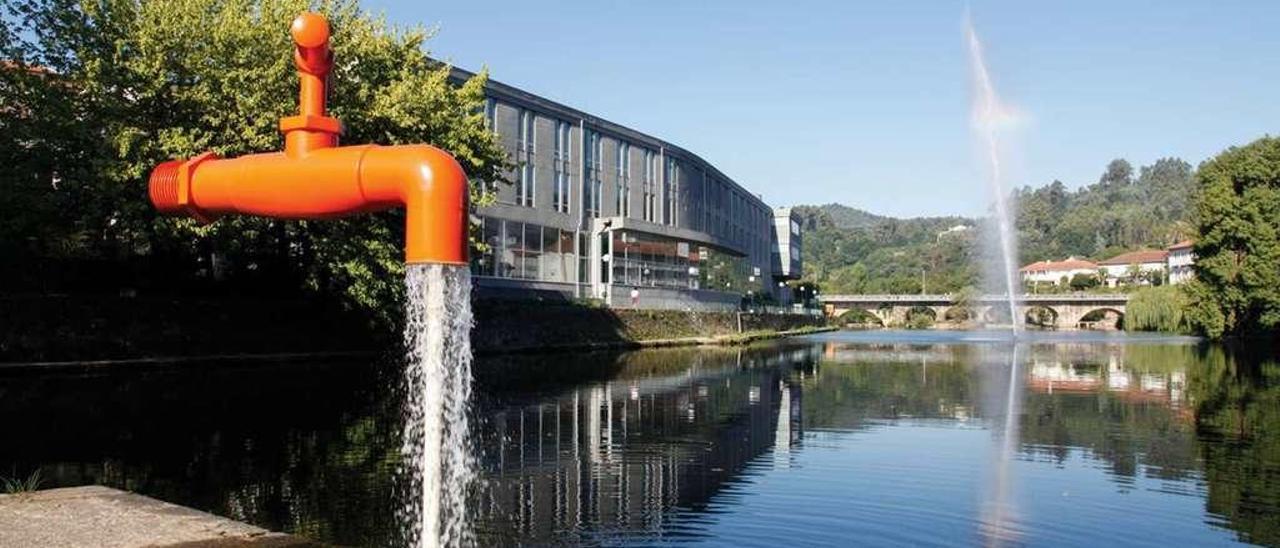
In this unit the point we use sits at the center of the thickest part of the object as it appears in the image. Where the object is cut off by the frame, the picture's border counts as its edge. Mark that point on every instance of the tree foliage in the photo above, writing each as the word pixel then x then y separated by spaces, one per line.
pixel 100 92
pixel 1157 309
pixel 851 251
pixel 1118 213
pixel 1237 218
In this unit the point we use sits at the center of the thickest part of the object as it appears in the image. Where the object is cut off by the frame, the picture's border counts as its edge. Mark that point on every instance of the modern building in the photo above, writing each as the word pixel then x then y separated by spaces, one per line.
pixel 1149 262
pixel 1181 262
pixel 599 210
pixel 785 243
pixel 1054 272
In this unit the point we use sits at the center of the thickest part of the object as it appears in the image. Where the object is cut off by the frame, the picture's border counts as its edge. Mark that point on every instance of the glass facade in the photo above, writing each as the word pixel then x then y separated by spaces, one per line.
pixel 525 251
pixel 623 205
pixel 647 260
pixel 650 185
pixel 527 146
pixel 592 184
pixel 563 167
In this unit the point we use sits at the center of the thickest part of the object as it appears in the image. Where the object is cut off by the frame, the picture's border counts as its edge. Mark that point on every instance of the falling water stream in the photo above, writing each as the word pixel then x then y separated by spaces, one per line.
pixel 438 466
pixel 989 116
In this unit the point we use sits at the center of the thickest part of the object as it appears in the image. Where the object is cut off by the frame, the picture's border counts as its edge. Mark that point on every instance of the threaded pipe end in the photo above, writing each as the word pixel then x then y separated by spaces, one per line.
pixel 163 187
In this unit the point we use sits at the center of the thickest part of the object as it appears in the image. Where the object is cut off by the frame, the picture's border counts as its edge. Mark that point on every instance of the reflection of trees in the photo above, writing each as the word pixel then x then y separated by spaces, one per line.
pixel 905 381
pixel 1238 423
pixel 307 449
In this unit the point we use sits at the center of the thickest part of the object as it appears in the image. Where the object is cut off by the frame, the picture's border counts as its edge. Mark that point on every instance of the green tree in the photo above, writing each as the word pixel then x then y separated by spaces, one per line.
pixel 1237 218
pixel 1082 281
pixel 126 84
pixel 1157 309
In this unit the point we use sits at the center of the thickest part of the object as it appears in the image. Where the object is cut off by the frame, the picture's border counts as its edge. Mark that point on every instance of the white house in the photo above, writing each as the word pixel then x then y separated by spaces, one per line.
pixel 1181 260
pixel 1054 271
pixel 1149 261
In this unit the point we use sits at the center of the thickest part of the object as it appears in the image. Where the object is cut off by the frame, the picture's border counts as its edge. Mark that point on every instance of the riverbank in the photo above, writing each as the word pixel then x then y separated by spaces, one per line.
pixel 97 330
pixel 101 516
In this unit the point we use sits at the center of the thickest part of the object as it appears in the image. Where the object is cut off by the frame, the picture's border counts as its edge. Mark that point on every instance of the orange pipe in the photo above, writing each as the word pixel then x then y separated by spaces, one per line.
pixel 315 179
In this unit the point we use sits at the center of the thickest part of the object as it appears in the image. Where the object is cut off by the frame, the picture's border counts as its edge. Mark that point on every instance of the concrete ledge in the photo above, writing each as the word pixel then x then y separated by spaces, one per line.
pixel 101 516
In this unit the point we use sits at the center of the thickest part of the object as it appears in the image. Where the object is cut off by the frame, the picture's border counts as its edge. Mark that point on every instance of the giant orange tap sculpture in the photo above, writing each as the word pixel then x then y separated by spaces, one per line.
pixel 314 178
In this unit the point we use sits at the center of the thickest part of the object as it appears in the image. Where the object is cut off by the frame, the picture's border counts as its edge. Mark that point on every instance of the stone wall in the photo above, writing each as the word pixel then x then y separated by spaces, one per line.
pixel 507 325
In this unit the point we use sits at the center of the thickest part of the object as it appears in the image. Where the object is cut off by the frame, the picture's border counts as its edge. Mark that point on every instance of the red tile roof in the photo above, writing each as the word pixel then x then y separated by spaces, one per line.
pixel 1069 264
pixel 1138 257
pixel 1184 244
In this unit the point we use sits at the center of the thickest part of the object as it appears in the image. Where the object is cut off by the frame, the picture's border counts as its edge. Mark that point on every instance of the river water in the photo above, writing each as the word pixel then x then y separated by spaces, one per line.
pixel 869 438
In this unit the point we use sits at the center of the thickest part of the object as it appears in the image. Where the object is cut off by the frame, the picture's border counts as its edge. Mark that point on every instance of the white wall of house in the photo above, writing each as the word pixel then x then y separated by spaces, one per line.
pixel 1180 264
pixel 1117 273
pixel 1054 276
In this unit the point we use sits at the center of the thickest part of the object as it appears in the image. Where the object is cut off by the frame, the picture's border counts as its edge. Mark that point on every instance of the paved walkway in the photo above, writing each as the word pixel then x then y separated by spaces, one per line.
pixel 101 516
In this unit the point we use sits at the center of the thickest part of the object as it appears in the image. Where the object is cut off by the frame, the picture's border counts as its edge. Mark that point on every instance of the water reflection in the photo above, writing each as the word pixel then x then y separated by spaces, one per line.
pixel 910 439
pixel 614 458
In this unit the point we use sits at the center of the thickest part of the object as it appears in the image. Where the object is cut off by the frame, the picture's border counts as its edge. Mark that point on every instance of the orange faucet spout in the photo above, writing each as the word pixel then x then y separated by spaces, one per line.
pixel 314 179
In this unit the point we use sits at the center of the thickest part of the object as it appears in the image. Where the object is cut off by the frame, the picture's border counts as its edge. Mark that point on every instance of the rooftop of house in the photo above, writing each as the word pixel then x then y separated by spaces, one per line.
pixel 1071 263
pixel 1143 256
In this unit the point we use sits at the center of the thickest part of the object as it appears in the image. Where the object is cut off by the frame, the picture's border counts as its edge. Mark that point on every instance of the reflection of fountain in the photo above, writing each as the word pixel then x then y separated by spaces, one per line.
pixel 999 516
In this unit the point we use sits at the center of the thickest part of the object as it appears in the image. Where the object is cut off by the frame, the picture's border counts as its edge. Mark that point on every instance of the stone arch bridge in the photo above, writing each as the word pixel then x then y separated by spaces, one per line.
pixel 1067 311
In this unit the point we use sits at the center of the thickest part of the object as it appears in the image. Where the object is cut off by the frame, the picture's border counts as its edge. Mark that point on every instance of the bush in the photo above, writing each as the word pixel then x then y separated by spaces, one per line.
pixel 1082 281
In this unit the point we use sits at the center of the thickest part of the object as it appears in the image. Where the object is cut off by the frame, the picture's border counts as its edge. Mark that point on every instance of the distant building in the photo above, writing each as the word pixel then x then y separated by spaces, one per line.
pixel 1181 262
pixel 786 251
pixel 1148 261
pixel 599 210
pixel 957 229
pixel 1055 271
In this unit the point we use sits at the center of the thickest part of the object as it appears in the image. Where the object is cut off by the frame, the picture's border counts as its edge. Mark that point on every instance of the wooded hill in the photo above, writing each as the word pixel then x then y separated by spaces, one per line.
pixel 848 250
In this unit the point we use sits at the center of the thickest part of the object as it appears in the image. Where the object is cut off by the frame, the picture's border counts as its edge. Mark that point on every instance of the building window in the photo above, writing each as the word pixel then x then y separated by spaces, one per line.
pixel 670 187
pixel 526 148
pixel 592 184
pixel 650 185
pixel 623 185
pixel 490 114
pixel 564 175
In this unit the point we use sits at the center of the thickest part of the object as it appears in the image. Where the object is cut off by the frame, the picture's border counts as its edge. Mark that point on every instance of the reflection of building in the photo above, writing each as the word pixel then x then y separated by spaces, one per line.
pixel 601 210
pixel 623 455
pixel 1052 377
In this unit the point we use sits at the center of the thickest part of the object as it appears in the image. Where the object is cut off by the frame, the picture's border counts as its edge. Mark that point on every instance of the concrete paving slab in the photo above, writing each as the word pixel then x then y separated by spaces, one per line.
pixel 104 517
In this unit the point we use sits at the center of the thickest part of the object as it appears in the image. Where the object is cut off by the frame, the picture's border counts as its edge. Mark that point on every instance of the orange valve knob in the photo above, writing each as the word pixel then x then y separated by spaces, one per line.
pixel 310 30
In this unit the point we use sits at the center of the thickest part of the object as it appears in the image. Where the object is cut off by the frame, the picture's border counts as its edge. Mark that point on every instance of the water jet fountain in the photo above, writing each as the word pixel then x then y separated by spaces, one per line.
pixel 314 178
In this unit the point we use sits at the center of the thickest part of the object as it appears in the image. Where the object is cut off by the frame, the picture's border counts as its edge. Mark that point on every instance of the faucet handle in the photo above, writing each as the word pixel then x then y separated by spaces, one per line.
pixel 310 33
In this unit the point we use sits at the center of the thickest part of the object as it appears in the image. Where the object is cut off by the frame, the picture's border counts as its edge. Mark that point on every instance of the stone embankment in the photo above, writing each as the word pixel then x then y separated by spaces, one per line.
pixel 103 517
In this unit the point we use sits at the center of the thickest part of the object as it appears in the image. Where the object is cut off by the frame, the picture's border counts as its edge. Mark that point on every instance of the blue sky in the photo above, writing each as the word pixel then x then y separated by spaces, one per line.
pixel 866 103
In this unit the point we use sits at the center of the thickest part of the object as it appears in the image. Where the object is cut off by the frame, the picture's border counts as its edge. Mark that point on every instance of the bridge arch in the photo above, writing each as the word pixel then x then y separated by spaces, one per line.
pixel 920 316
pixel 1041 315
pixel 1103 317
pixel 861 316
pixel 960 313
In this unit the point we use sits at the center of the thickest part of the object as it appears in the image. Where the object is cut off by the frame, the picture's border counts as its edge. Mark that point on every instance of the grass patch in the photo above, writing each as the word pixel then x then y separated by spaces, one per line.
pixel 15 485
